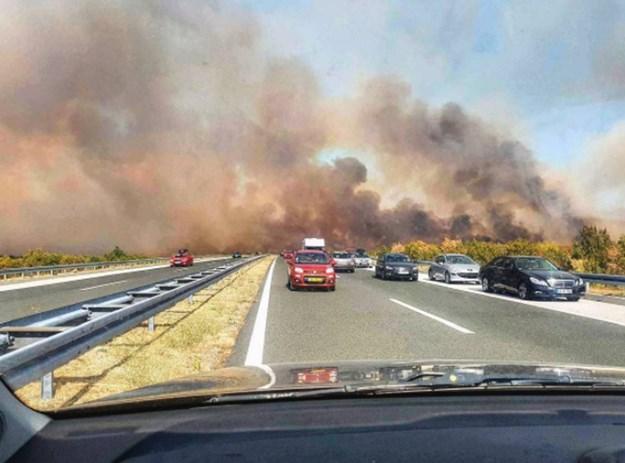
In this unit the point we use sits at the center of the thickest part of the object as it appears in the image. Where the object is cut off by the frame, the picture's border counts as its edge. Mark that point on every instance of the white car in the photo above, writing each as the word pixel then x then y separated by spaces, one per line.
pixel 362 260
pixel 454 268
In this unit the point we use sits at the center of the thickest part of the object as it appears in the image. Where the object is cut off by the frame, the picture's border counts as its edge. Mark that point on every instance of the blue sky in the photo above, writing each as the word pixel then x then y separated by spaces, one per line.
pixel 553 72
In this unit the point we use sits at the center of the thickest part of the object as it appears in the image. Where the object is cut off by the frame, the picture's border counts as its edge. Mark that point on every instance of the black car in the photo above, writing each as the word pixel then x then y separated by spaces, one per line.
pixel 236 255
pixel 530 277
pixel 398 266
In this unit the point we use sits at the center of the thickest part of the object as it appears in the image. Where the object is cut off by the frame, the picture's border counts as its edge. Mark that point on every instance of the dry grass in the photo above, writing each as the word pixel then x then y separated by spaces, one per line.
pixel 192 337
pixel 607 290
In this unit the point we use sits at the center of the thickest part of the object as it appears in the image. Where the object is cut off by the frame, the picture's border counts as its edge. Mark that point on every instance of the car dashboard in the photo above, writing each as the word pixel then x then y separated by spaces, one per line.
pixel 467 427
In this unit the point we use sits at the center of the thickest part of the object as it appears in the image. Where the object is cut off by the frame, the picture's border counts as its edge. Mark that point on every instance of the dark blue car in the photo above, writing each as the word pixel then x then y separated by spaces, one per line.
pixel 530 277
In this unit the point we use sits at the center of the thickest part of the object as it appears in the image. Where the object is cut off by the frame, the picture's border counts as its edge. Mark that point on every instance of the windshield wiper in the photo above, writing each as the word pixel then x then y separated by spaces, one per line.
pixel 543 381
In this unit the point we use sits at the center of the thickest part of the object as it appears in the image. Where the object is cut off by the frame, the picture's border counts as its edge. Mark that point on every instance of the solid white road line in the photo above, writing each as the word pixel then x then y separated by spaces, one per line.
pixel 257 340
pixel 65 279
pixel 105 284
pixel 86 276
pixel 452 325
pixel 585 308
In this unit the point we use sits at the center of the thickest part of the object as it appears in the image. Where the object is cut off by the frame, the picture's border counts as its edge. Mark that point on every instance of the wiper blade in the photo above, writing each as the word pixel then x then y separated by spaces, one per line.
pixel 544 381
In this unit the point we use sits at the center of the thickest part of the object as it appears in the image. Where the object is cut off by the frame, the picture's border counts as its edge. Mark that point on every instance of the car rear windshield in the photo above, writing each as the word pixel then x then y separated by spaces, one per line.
pixel 311 258
pixel 396 258
pixel 534 263
pixel 342 255
pixel 459 260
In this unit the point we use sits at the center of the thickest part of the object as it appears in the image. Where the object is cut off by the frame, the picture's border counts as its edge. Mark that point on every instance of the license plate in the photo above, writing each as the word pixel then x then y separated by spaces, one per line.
pixel 314 280
pixel 565 291
pixel 402 272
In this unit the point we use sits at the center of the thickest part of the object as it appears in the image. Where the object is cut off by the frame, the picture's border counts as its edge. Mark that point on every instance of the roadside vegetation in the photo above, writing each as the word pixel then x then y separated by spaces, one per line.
pixel 592 250
pixel 193 337
pixel 39 257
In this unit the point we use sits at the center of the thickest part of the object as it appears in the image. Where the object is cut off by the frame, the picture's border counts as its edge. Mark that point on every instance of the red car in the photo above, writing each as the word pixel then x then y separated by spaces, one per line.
pixel 311 269
pixel 182 258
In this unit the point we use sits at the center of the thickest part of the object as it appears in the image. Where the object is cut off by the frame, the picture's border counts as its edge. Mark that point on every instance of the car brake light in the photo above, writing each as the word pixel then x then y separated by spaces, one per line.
pixel 299 270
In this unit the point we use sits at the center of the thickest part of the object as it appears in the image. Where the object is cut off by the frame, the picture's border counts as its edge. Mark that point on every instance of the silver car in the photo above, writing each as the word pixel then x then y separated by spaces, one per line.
pixel 344 261
pixel 452 268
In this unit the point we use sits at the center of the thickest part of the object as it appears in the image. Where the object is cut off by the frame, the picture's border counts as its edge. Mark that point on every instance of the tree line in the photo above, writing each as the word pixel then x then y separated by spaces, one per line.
pixel 39 257
pixel 592 250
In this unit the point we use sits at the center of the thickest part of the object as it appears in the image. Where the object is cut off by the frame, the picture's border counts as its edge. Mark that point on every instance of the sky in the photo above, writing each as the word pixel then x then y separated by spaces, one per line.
pixel 224 125
pixel 532 66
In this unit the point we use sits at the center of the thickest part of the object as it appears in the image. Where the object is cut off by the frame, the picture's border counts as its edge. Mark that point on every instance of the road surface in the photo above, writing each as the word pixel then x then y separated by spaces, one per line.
pixel 367 318
pixel 27 299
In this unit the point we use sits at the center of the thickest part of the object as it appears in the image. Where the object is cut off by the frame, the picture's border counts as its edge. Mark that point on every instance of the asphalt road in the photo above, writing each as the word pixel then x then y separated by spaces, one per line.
pixel 21 302
pixel 367 318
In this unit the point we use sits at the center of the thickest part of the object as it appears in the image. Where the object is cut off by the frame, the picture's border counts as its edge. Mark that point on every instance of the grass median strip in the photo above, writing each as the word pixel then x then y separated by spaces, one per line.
pixel 194 336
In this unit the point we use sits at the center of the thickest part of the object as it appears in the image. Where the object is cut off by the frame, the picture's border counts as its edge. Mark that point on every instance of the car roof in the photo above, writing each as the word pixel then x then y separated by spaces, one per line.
pixel 526 257
pixel 454 254
pixel 395 254
pixel 316 251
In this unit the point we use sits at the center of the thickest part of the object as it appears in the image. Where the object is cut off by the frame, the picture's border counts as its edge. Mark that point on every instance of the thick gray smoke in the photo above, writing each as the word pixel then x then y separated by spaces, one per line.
pixel 155 125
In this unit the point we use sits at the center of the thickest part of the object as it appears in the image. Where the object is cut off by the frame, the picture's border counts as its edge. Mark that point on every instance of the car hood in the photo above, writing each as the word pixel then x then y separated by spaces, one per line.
pixel 289 376
pixel 344 260
pixel 313 268
pixel 464 267
pixel 546 274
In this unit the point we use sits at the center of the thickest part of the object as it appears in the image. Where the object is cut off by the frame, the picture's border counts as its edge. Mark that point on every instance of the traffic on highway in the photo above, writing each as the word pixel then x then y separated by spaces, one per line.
pixel 312 231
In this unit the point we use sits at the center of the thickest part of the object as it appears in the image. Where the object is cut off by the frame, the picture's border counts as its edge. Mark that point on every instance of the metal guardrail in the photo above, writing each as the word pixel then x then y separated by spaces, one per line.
pixel 27 357
pixel 602 278
pixel 53 269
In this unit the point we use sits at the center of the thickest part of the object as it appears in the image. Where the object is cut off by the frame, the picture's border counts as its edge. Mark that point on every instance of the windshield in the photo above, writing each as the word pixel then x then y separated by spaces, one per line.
pixel 528 263
pixel 459 260
pixel 198 185
pixel 342 255
pixel 311 258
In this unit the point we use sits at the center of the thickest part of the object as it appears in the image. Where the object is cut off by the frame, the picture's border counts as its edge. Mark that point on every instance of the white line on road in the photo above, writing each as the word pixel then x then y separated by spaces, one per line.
pixel 433 317
pixel 105 284
pixel 585 308
pixel 257 340
pixel 86 276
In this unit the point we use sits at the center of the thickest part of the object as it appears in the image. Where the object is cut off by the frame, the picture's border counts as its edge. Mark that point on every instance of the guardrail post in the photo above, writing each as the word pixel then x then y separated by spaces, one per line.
pixel 151 325
pixel 190 300
pixel 587 283
pixel 47 386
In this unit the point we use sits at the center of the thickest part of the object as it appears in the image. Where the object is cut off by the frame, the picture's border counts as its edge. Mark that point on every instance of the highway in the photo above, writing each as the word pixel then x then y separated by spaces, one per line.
pixel 29 297
pixel 367 318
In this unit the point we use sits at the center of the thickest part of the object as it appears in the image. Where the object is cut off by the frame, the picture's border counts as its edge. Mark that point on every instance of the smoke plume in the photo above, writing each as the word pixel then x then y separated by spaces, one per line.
pixel 157 125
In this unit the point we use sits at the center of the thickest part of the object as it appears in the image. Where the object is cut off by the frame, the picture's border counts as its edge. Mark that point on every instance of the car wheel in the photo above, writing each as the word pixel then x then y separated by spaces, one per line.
pixel 486 287
pixel 430 274
pixel 332 288
pixel 573 299
pixel 384 276
pixel 447 278
pixel 523 292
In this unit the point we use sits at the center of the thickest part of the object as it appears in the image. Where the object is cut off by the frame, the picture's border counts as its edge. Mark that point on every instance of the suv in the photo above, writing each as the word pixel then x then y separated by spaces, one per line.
pixel 182 258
